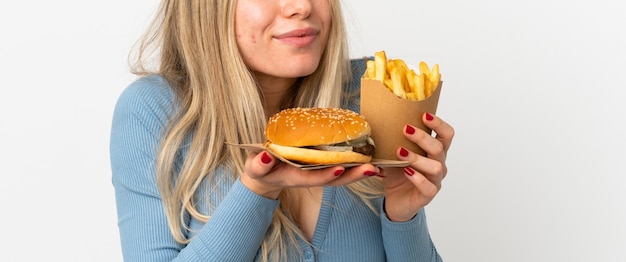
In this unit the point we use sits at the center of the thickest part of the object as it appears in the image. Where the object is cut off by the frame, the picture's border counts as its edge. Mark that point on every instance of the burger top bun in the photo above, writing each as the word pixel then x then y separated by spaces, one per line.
pixel 299 127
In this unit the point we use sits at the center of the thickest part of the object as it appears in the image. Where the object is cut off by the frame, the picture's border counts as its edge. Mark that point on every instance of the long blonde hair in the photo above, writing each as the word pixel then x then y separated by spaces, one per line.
pixel 193 46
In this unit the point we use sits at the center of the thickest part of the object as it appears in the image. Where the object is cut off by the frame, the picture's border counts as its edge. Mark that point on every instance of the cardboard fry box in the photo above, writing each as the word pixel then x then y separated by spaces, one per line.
pixel 387 115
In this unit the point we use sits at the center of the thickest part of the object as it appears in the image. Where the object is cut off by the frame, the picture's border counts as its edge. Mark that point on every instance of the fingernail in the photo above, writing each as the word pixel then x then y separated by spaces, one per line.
pixel 404 152
pixel 370 173
pixel 409 130
pixel 409 171
pixel 429 117
pixel 339 172
pixel 265 158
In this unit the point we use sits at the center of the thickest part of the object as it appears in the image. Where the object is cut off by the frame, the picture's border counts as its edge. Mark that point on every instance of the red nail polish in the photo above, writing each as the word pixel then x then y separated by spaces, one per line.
pixel 409 130
pixel 265 158
pixel 429 117
pixel 409 171
pixel 404 152
pixel 339 172
pixel 370 173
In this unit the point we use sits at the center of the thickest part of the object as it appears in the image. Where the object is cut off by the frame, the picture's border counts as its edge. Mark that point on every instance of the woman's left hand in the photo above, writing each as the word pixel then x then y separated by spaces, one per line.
pixel 409 189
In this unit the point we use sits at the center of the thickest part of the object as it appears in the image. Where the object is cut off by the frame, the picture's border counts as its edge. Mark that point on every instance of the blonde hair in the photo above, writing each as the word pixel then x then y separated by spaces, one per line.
pixel 194 47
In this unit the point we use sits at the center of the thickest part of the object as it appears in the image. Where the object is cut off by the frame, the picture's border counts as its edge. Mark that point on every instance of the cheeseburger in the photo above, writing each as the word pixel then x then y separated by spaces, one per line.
pixel 319 136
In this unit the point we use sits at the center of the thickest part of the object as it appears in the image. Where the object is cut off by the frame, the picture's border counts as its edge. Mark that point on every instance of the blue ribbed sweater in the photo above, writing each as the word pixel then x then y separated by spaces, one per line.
pixel 346 229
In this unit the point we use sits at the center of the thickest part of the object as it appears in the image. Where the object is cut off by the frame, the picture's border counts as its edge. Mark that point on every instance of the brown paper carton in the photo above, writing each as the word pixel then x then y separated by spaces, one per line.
pixel 387 114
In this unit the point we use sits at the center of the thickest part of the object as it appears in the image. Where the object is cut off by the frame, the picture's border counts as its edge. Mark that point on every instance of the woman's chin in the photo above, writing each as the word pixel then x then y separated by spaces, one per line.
pixel 299 69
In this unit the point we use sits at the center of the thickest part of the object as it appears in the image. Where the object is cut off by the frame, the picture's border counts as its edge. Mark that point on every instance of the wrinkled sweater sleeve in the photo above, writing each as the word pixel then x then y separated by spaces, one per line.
pixel 237 226
pixel 408 241
pixel 236 229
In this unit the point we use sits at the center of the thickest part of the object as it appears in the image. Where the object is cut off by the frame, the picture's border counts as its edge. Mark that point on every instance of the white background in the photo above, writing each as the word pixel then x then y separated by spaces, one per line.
pixel 533 89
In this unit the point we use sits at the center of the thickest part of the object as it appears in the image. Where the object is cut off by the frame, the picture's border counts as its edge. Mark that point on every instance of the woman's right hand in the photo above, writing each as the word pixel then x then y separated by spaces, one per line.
pixel 268 176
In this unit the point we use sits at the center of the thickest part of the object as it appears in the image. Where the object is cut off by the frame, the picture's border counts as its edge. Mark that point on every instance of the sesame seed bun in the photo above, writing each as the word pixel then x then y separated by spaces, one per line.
pixel 298 133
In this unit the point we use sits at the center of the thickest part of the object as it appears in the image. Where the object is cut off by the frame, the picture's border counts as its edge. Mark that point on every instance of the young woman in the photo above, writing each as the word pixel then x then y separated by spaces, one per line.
pixel 212 72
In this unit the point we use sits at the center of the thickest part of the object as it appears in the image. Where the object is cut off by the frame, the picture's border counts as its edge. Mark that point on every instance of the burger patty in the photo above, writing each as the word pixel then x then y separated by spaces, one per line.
pixel 367 149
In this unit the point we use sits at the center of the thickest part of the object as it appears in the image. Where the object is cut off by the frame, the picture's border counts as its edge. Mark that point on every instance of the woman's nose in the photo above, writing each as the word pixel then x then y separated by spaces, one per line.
pixel 296 8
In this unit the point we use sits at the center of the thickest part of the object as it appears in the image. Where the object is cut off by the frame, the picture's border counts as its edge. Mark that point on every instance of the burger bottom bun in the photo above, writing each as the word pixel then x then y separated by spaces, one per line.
pixel 314 156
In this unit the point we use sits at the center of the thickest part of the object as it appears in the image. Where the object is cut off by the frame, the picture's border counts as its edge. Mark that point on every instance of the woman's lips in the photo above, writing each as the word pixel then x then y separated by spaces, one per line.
pixel 299 37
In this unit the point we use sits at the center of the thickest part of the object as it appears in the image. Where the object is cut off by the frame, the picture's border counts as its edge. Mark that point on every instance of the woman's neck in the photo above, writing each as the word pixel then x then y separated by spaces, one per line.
pixel 275 91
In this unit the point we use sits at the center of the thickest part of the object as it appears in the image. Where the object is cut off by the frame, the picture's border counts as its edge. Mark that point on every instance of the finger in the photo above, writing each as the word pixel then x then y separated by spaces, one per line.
pixel 433 147
pixel 444 131
pixel 425 186
pixel 259 164
pixel 356 173
pixel 317 177
pixel 432 169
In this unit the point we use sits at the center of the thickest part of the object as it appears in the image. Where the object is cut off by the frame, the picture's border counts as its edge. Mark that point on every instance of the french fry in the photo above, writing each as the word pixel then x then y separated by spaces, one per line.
pixel 397 85
pixel 425 72
pixel 400 64
pixel 410 79
pixel 380 59
pixel 411 96
pixel 424 68
pixel 435 77
pixel 420 92
pixel 403 69
pixel 371 69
